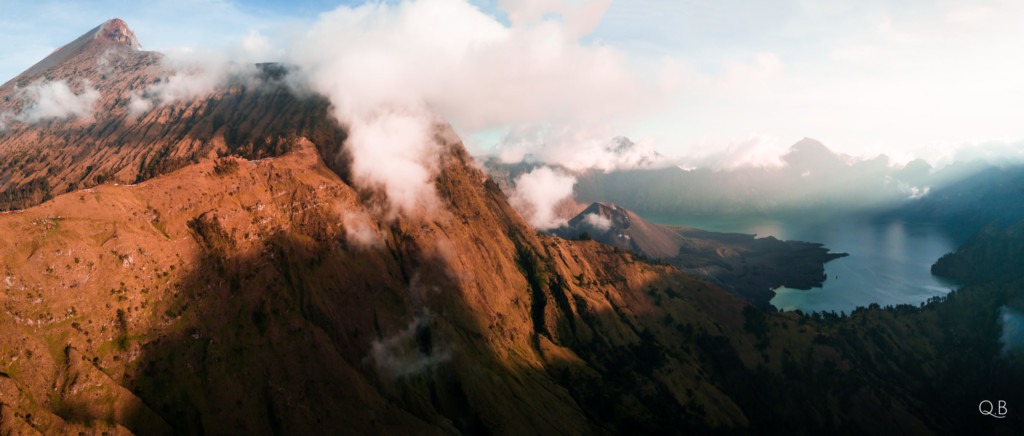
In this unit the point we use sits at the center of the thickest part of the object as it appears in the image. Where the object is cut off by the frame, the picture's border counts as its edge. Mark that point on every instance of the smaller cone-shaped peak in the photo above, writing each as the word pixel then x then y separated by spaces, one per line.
pixel 117 31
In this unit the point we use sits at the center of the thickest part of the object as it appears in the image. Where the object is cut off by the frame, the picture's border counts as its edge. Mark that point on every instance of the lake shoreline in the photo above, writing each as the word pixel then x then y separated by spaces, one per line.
pixel 753 267
pixel 889 260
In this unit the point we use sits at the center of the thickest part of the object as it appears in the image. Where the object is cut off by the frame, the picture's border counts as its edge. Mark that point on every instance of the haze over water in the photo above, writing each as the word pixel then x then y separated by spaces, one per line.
pixel 889 262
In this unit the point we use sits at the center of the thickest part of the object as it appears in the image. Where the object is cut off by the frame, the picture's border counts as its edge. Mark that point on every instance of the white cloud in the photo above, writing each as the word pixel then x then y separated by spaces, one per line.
pixel 579 17
pixel 538 192
pixel 139 104
pixel 598 222
pixel 393 148
pixel 49 100
pixel 188 84
pixel 360 231
pixel 864 77
pixel 578 149
pixel 103 63
pixel 917 193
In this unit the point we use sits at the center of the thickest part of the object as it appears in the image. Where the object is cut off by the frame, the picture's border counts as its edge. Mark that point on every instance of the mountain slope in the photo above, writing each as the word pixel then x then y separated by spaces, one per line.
pixel 253 116
pixel 111 36
pixel 984 195
pixel 190 286
pixel 176 280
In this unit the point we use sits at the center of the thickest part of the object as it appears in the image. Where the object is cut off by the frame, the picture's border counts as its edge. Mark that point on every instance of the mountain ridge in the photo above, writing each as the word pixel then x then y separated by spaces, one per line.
pixel 50 157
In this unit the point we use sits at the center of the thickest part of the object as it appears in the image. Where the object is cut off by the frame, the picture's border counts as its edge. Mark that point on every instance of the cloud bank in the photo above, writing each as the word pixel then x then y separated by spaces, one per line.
pixel 188 83
pixel 194 74
pixel 475 71
pixel 394 72
pixel 864 77
pixel 578 150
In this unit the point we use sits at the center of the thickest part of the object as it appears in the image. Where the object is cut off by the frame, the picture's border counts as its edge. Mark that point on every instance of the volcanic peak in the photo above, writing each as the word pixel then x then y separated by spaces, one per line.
pixel 116 30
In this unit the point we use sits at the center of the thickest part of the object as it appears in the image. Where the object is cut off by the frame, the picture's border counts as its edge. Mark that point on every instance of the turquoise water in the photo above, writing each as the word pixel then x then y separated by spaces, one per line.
pixel 889 262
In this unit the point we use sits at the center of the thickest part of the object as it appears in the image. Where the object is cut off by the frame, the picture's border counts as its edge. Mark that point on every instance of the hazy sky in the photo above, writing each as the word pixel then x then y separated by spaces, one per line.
pixel 740 81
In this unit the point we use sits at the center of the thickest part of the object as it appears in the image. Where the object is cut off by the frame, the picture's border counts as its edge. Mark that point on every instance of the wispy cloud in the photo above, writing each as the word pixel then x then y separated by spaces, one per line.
pixel 598 222
pixel 56 100
pixel 404 353
pixel 538 192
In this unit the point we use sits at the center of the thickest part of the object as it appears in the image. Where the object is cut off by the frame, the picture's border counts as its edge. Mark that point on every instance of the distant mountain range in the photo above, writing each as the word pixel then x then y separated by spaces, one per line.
pixel 990 195
pixel 812 179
